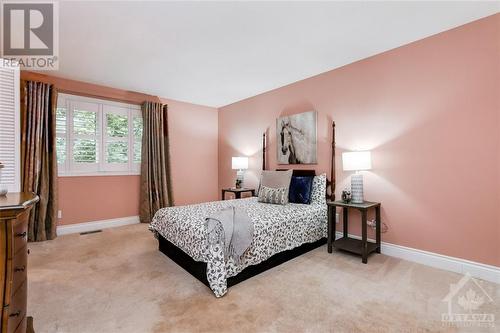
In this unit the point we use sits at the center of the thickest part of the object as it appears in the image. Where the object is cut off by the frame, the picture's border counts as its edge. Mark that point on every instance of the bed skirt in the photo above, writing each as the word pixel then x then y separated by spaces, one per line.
pixel 198 269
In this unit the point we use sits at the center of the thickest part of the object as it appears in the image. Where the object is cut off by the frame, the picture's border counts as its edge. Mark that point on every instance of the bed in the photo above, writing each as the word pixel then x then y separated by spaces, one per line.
pixel 281 232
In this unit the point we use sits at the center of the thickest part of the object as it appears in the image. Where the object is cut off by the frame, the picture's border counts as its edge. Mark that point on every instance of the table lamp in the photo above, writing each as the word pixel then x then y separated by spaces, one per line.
pixel 240 164
pixel 357 161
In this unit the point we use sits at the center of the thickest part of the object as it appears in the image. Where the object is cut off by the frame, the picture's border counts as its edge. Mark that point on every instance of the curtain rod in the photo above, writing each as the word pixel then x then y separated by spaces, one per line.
pixel 147 98
pixel 134 102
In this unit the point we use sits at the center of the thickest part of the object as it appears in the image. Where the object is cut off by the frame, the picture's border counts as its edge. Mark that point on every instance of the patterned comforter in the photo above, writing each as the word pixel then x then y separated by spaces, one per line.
pixel 276 228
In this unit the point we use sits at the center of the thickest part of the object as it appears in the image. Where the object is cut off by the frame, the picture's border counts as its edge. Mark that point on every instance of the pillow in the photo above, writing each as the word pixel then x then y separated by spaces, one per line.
pixel 276 179
pixel 300 189
pixel 276 196
pixel 318 195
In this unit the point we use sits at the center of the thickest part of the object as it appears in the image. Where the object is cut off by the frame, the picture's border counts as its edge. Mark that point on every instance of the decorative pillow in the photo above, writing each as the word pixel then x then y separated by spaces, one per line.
pixel 300 189
pixel 318 195
pixel 278 196
pixel 276 179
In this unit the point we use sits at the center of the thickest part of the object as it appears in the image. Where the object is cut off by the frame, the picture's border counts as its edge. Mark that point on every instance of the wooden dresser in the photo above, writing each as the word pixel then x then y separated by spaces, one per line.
pixel 14 211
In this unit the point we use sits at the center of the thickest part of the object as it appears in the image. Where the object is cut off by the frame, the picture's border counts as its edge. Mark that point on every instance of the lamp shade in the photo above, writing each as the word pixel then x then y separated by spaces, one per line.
pixel 357 160
pixel 239 163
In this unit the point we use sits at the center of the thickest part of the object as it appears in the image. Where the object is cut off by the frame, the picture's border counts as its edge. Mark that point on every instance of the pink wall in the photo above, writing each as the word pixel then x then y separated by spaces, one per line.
pixel 193 148
pixel 85 199
pixel 428 111
pixel 193 151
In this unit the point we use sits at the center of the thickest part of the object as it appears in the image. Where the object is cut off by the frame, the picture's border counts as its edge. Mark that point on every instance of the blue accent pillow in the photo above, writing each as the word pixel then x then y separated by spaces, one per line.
pixel 300 189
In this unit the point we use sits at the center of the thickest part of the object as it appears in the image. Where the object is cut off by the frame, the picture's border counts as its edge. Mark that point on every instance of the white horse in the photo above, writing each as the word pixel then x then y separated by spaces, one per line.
pixel 295 144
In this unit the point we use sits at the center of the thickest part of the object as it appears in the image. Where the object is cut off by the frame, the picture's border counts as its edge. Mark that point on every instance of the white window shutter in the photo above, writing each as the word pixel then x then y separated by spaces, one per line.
pixel 116 134
pixel 85 136
pixel 10 147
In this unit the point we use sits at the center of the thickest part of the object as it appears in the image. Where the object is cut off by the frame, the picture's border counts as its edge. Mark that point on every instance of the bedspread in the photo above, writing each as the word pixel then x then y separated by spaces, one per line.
pixel 276 228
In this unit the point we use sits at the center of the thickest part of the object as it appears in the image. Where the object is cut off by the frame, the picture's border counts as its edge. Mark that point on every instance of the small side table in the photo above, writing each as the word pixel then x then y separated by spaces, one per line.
pixel 237 192
pixel 362 247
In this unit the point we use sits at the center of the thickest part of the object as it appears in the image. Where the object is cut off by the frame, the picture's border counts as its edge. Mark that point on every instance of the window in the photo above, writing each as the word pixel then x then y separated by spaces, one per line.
pixel 97 137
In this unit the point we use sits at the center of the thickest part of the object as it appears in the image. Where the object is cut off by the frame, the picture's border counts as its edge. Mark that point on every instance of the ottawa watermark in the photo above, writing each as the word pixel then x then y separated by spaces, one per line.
pixel 30 34
pixel 466 301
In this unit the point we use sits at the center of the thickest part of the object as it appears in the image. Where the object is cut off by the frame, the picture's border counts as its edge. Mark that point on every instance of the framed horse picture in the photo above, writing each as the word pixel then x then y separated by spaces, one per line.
pixel 297 138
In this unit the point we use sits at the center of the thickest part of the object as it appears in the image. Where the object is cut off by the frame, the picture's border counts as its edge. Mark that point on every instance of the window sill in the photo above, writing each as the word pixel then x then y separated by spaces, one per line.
pixel 98 174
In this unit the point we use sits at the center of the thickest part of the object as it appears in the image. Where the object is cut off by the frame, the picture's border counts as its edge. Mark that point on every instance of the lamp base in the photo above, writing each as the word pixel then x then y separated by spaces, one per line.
pixel 239 179
pixel 357 188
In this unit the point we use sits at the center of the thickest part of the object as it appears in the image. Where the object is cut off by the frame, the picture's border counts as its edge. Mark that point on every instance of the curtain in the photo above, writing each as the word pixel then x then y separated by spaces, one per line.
pixel 38 156
pixel 156 189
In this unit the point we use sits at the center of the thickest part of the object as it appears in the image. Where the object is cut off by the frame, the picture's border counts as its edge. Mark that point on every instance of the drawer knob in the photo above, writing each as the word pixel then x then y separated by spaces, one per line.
pixel 22 235
pixel 15 314
pixel 20 269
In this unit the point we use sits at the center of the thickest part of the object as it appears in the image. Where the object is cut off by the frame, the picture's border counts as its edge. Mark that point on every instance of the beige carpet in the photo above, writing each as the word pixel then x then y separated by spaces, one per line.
pixel 117 281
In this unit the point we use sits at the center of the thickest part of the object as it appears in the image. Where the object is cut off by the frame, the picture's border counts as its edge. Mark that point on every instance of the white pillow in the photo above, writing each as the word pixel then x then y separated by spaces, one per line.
pixel 277 196
pixel 276 179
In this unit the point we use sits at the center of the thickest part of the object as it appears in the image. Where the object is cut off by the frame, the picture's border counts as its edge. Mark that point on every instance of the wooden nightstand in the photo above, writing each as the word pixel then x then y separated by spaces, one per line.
pixel 237 192
pixel 362 247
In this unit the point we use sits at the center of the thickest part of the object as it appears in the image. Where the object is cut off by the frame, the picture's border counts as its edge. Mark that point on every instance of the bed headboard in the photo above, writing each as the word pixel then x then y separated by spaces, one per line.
pixel 299 172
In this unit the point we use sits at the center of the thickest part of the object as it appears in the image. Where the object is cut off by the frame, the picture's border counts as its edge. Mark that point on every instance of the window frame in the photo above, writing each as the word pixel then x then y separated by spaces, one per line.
pixel 70 168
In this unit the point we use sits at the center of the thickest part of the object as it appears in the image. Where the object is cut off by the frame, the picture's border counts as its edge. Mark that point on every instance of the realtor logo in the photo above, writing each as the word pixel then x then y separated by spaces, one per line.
pixel 466 301
pixel 30 34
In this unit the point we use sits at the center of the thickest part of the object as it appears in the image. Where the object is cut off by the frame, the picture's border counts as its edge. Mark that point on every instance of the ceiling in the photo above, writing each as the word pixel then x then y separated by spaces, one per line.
pixel 217 53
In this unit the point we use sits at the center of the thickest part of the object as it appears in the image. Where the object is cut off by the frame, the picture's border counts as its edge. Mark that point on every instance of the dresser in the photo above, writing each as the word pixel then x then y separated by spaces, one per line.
pixel 14 211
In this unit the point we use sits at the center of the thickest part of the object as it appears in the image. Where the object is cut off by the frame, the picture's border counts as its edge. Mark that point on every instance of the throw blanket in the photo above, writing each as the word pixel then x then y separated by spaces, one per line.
pixel 237 230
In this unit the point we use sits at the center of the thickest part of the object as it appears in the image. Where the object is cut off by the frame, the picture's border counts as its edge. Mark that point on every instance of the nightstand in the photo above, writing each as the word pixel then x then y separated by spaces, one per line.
pixel 237 191
pixel 358 246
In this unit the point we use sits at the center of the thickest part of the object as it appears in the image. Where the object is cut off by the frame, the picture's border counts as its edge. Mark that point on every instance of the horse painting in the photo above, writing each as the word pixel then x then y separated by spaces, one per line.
pixel 297 138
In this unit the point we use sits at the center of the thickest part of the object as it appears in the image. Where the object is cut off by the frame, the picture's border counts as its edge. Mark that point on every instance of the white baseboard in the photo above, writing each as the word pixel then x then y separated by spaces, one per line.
pixel 457 265
pixel 96 225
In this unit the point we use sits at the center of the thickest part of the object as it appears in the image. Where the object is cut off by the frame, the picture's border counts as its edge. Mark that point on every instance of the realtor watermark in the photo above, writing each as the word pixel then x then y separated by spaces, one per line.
pixel 466 301
pixel 30 34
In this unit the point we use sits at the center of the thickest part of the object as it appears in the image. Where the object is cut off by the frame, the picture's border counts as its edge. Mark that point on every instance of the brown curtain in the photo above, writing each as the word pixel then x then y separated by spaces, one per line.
pixel 156 189
pixel 38 156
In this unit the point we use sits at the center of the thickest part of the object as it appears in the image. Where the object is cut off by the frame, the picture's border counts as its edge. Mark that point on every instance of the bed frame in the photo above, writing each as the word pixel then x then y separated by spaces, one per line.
pixel 198 269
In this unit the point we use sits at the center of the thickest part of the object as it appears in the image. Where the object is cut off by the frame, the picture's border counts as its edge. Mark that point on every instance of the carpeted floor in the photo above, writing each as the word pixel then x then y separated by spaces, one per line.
pixel 117 281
